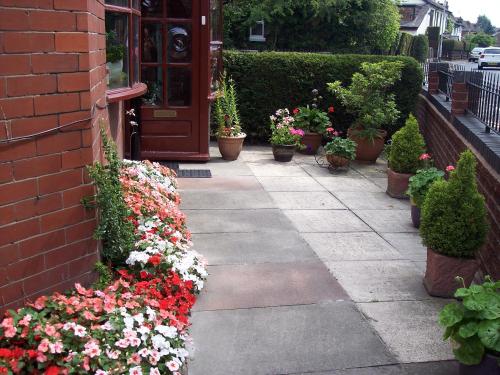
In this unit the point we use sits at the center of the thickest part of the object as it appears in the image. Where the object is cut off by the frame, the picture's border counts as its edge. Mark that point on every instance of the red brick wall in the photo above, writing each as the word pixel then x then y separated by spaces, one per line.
pixel 446 143
pixel 52 73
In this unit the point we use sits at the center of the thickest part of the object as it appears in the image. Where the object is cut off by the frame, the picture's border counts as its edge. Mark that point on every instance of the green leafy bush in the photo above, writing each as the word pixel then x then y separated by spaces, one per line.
pixel 420 48
pixel 115 231
pixel 454 214
pixel 404 46
pixel 115 50
pixel 473 325
pixel 406 148
pixel 368 97
pixel 421 183
pixel 271 80
pixel 226 109
pixel 345 148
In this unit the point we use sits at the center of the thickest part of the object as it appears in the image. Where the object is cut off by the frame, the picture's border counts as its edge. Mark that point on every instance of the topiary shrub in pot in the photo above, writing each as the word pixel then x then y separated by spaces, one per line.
pixel 404 158
pixel 453 227
pixel 473 327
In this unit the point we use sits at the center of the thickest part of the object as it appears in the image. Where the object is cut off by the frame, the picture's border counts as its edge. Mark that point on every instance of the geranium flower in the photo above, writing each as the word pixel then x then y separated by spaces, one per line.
pixel 296 111
pixel 450 168
pixel 424 157
pixel 331 109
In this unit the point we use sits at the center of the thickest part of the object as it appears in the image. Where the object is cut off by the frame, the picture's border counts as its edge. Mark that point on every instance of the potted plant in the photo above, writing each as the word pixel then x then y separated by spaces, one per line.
pixel 453 228
pixel 285 139
pixel 313 121
pixel 369 100
pixel 229 135
pixel 473 327
pixel 339 152
pixel 418 187
pixel 404 158
pixel 115 51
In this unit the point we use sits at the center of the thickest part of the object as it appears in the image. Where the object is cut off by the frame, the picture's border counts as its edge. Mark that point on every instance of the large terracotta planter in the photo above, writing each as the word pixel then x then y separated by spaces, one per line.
pixel 397 184
pixel 311 141
pixel 337 161
pixel 283 153
pixel 489 366
pixel 442 270
pixel 230 147
pixel 368 151
pixel 415 215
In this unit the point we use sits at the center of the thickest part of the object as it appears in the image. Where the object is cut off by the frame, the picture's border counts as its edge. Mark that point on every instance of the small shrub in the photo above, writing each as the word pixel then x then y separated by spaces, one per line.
pixel 405 42
pixel 454 214
pixel 406 148
pixel 420 48
pixel 226 109
pixel 345 148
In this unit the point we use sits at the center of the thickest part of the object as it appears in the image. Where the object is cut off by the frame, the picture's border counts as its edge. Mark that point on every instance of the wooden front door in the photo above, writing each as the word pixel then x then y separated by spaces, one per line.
pixel 171 37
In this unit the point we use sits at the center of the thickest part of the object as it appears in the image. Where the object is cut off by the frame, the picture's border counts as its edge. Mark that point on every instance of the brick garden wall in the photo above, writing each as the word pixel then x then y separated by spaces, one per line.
pixel 52 73
pixel 446 143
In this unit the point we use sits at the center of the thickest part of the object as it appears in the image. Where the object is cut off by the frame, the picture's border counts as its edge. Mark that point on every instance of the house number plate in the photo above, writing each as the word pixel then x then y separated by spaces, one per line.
pixel 163 113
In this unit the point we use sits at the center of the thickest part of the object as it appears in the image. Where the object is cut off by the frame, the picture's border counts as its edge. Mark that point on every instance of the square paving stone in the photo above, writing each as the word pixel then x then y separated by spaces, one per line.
pixel 410 329
pixel 312 200
pixel 221 167
pixel 270 168
pixel 237 221
pixel 379 370
pixel 409 245
pixel 290 184
pixel 374 281
pixel 371 201
pixel 220 183
pixel 351 246
pixel 317 171
pixel 203 200
pixel 313 221
pixel 269 284
pixel 284 340
pixel 339 183
pixel 431 368
pixel 380 181
pixel 378 169
pixel 249 248
pixel 389 221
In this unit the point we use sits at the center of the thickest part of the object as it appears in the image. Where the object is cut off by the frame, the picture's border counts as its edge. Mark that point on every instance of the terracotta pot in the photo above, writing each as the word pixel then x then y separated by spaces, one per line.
pixel 415 215
pixel 397 184
pixel 368 151
pixel 230 147
pixel 283 153
pixel 442 270
pixel 489 366
pixel 312 141
pixel 337 161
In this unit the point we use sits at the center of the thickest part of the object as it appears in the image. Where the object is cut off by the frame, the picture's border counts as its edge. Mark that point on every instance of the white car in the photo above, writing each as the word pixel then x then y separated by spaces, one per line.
pixel 475 53
pixel 489 57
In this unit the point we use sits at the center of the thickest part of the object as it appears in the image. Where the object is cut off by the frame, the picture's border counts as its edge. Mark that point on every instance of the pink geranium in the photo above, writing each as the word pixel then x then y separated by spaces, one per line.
pixel 424 157
pixel 450 168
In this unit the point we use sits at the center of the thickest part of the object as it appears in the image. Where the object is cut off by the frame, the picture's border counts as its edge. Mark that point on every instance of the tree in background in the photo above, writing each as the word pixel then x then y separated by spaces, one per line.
pixel 485 24
pixel 480 40
pixel 314 25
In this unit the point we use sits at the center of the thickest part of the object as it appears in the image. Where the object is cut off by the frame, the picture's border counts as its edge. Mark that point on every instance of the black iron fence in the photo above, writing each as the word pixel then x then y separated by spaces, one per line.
pixel 484 98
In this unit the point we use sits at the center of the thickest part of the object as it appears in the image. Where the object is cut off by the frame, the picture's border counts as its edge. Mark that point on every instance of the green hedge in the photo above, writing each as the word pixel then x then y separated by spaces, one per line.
pixel 420 47
pixel 405 42
pixel 268 81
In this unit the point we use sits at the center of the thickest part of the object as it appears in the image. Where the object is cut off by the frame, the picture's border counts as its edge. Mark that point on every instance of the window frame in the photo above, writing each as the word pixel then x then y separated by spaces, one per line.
pixel 258 37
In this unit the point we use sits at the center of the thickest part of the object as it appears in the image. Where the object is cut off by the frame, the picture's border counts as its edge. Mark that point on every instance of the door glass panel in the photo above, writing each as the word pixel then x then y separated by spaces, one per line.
pixel 179 43
pixel 179 87
pixel 152 43
pixel 179 8
pixel 135 49
pixel 215 20
pixel 136 4
pixel 152 8
pixel 117 48
pixel 153 78
pixel 121 3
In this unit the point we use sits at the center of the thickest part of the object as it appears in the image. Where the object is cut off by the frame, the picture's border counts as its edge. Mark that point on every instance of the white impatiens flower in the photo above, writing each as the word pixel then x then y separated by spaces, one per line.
pixel 137 370
pixel 154 371
pixel 172 365
pixel 159 342
pixel 101 372
pixel 167 331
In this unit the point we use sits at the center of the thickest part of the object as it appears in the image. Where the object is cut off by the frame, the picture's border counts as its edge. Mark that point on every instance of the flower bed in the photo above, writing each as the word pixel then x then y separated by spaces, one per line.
pixel 138 324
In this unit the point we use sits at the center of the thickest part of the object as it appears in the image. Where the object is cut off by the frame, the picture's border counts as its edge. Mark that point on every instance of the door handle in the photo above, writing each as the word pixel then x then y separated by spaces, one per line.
pixel 203 20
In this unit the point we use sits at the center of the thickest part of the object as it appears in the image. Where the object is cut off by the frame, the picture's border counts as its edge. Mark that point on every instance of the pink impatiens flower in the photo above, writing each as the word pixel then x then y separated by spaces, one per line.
pixel 172 366
pixel 450 168
pixel 424 157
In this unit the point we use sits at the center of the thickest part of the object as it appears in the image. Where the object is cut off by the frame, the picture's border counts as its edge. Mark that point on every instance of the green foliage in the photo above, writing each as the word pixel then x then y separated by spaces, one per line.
pixel 114 49
pixel 312 120
pixel 474 324
pixel 480 40
pixel 282 131
pixel 345 148
pixel 421 183
pixel 420 48
pixel 368 97
pixel 434 34
pixel 226 109
pixel 312 25
pixel 104 276
pixel 115 231
pixel 454 214
pixel 404 46
pixel 485 24
pixel 406 147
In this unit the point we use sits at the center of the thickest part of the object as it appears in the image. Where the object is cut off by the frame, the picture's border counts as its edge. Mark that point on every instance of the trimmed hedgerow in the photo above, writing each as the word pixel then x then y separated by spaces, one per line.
pixel 270 80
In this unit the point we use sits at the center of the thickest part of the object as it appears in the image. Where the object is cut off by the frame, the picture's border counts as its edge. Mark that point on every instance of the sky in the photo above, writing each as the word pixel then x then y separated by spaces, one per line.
pixel 471 9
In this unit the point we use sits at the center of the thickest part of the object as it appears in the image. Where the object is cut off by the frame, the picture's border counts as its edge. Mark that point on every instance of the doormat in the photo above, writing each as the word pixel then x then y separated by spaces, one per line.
pixel 187 173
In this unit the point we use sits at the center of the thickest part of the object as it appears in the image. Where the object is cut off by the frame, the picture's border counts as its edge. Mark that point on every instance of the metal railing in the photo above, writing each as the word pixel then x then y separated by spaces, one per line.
pixel 484 98
pixel 445 74
pixel 425 70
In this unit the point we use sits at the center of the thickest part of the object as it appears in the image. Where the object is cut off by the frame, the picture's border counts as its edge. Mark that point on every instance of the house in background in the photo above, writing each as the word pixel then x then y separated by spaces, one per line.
pixel 418 15
pixel 497 37
pixel 469 28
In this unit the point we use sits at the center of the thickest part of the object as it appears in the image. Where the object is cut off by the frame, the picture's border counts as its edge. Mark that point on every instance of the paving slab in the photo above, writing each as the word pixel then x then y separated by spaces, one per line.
pixel 247 248
pixel 269 284
pixel 378 370
pixel 431 368
pixel 338 183
pixel 410 329
pixel 375 281
pixel 270 168
pixel 317 171
pixel 300 200
pixel 352 246
pixel 313 221
pixel 378 169
pixel 221 167
pixel 290 184
pixel 371 201
pixel 408 244
pixel 203 200
pixel 388 221
pixel 237 221
pixel 220 183
pixel 380 181
pixel 284 340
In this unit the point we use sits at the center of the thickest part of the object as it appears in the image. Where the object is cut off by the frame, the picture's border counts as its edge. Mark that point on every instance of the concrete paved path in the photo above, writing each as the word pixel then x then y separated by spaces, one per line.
pixel 310 272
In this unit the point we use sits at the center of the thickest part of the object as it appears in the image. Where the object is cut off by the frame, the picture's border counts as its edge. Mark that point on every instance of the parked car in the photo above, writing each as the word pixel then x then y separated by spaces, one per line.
pixel 489 57
pixel 475 53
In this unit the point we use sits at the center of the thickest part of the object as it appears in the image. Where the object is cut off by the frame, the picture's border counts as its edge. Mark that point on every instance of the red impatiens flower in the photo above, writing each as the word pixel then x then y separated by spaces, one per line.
pixel 296 111
pixel 154 260
pixel 331 109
